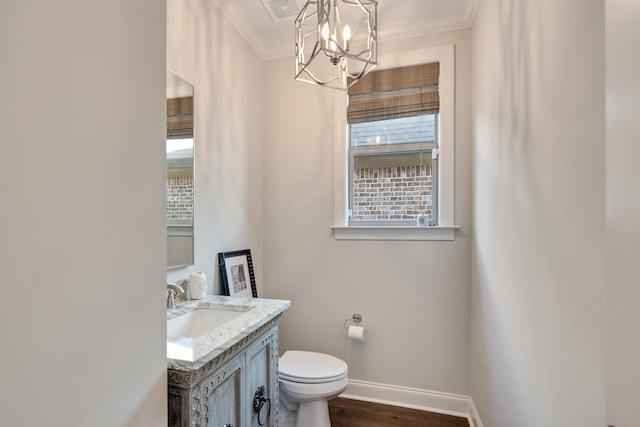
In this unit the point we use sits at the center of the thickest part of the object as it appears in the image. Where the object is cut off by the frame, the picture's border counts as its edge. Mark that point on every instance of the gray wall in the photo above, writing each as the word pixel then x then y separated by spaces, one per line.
pixel 539 291
pixel 83 250
pixel 623 212
pixel 414 296
pixel 207 51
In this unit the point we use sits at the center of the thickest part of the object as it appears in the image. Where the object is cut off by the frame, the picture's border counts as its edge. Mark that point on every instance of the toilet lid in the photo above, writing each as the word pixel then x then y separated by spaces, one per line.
pixel 310 367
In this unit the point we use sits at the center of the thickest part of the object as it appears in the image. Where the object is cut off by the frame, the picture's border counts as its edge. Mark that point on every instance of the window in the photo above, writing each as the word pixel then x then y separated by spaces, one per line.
pixel 395 146
pixel 392 118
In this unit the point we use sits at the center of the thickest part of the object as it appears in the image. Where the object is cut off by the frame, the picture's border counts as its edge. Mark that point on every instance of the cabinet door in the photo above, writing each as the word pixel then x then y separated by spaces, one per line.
pixel 261 371
pixel 221 394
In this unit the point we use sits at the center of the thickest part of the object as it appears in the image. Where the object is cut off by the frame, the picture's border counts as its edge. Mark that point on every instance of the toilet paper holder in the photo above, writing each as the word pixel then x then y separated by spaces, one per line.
pixel 356 318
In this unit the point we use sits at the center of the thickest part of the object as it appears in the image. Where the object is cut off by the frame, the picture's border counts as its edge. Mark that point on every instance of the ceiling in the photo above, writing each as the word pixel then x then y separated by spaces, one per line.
pixel 396 18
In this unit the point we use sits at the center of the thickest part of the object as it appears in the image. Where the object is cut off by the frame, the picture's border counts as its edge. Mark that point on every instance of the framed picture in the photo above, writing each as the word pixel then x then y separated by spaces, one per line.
pixel 236 271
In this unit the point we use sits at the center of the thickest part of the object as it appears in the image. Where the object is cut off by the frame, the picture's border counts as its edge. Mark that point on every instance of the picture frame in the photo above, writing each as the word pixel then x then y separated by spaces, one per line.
pixel 236 273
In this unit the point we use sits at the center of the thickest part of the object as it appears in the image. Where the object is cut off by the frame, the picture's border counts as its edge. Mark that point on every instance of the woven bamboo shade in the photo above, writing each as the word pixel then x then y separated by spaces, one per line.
pixel 180 118
pixel 395 93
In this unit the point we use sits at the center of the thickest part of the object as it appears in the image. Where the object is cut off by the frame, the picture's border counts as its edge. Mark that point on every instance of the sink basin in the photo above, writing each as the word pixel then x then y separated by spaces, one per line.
pixel 199 322
pixel 200 330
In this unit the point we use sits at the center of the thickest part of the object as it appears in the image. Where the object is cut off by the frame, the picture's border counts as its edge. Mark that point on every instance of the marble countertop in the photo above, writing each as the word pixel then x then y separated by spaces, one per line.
pixel 189 354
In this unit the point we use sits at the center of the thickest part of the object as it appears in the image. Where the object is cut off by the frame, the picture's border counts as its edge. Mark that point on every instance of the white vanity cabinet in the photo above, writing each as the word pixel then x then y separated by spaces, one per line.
pixel 221 392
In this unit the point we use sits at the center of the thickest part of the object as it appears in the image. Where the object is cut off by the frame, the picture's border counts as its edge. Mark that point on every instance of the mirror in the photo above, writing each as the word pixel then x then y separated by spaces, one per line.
pixel 180 161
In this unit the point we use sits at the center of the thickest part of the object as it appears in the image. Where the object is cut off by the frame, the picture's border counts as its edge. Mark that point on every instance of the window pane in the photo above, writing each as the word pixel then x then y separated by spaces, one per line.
pixel 179 181
pixel 394 131
pixel 392 187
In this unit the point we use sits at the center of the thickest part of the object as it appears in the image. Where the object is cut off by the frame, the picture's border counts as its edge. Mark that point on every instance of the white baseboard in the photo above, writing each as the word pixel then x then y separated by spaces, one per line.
pixel 425 400
pixel 474 418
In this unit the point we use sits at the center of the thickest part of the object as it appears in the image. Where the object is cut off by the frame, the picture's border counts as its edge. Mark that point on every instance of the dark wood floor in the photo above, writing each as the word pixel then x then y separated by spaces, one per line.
pixel 356 413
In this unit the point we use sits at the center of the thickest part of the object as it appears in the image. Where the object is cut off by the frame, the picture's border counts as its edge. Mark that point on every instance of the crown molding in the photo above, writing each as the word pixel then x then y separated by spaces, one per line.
pixel 455 21
pixel 241 23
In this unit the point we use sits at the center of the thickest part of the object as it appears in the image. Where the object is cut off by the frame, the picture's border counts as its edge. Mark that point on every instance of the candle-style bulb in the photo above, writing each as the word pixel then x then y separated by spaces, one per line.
pixel 346 33
pixel 325 31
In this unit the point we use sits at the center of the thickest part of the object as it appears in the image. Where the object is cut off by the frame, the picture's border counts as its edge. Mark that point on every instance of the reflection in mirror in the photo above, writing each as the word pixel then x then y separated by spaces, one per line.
pixel 180 160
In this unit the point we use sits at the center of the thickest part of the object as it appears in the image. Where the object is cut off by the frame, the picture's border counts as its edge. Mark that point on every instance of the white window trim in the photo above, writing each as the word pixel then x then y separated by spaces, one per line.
pixel 445 55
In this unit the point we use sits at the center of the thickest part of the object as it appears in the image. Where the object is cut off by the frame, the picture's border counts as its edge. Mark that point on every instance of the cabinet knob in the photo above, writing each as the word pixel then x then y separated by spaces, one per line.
pixel 228 425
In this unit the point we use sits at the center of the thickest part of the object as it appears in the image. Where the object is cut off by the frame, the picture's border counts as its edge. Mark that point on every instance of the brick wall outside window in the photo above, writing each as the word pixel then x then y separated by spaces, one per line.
pixel 392 193
pixel 179 199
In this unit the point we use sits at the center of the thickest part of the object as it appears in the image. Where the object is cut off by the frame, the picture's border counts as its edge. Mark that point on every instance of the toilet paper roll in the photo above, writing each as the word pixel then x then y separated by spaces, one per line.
pixel 197 285
pixel 356 333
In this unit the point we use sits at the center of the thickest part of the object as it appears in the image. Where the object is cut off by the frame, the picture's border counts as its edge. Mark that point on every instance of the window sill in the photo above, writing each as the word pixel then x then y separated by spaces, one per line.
pixel 395 233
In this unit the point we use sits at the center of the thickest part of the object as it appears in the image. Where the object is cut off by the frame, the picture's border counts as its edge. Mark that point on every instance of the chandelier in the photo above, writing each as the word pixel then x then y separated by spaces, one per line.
pixel 336 41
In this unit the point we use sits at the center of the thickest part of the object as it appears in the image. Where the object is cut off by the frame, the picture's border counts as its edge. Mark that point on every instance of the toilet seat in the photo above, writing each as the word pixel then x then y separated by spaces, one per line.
pixel 310 367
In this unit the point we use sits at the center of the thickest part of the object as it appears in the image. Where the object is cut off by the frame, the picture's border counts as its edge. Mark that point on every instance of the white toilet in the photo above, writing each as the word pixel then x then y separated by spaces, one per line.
pixel 307 381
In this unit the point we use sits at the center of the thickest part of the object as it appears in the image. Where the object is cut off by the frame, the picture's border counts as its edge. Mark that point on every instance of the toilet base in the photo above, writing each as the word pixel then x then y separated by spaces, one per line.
pixel 314 414
pixel 309 414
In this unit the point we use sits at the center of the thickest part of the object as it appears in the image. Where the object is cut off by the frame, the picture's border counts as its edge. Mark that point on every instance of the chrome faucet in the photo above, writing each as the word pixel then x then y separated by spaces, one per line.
pixel 173 290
